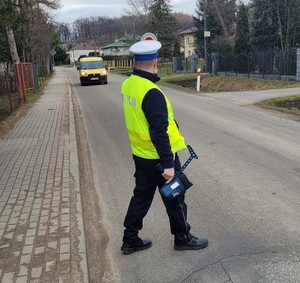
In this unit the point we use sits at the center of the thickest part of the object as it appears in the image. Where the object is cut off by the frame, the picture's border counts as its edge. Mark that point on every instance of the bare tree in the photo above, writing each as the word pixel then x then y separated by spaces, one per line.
pixel 288 22
pixel 139 10
pixel 65 31
pixel 225 10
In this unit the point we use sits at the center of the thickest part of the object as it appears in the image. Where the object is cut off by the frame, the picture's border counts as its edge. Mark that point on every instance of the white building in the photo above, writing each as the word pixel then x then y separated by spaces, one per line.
pixel 82 49
pixel 188 42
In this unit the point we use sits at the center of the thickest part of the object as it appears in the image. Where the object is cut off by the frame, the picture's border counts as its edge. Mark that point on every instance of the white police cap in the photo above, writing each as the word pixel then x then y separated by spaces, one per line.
pixel 145 50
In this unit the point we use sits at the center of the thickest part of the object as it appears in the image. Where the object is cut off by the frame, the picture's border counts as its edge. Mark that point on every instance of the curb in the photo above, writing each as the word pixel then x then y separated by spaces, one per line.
pixel 74 172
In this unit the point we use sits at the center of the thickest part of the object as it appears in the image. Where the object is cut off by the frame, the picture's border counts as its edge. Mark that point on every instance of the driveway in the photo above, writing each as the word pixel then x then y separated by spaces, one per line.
pixel 251 97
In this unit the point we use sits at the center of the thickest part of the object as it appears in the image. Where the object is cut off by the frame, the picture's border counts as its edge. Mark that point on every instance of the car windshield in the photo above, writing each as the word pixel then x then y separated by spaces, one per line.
pixel 91 65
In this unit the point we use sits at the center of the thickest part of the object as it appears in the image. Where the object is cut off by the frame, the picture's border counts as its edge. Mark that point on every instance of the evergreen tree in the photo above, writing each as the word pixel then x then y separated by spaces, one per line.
pixel 164 25
pixel 176 49
pixel 61 56
pixel 265 32
pixel 242 44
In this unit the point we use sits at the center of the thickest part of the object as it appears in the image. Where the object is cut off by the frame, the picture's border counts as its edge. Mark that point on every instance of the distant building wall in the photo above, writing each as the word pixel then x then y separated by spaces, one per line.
pixel 187 40
pixel 74 54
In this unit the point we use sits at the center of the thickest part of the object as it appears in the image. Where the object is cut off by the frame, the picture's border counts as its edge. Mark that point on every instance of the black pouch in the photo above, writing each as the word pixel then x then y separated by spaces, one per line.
pixel 186 182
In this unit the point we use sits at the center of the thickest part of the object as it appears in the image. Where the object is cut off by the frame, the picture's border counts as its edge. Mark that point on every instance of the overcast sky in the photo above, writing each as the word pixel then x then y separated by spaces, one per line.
pixel 72 9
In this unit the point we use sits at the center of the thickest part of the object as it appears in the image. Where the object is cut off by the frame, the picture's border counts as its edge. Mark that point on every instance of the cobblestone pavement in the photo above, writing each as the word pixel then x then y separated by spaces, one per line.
pixel 41 228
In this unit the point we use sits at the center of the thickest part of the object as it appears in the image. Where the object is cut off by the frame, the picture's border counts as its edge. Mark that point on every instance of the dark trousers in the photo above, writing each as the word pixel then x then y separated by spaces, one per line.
pixel 147 179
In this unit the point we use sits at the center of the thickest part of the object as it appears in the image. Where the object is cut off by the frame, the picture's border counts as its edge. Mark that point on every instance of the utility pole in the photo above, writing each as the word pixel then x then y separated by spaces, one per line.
pixel 204 27
pixel 206 33
pixel 134 35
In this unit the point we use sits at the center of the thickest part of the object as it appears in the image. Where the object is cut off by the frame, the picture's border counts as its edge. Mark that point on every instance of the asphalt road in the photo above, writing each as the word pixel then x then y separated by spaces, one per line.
pixel 245 198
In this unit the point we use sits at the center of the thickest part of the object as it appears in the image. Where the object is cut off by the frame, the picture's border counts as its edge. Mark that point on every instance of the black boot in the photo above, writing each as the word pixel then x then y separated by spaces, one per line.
pixel 135 245
pixel 193 244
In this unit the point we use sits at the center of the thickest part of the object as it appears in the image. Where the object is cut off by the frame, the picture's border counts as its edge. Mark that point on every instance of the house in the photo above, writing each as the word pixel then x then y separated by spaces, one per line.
pixel 82 49
pixel 121 46
pixel 187 39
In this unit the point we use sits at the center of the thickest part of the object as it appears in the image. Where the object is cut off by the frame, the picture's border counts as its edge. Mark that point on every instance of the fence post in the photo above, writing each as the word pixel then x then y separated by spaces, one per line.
pixel 31 76
pixel 23 82
pixel 186 65
pixel 263 64
pixel 214 63
pixel 280 65
pixel 36 77
pixel 6 78
pixel 20 79
pixel 236 63
pixel 298 65
pixel 248 64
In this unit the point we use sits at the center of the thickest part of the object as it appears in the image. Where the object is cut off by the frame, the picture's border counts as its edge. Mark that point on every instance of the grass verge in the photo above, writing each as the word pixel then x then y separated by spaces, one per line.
pixel 289 104
pixel 211 83
pixel 7 119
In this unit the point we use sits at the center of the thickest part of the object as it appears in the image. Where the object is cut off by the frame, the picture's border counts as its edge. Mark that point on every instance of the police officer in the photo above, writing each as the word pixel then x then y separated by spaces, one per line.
pixel 155 139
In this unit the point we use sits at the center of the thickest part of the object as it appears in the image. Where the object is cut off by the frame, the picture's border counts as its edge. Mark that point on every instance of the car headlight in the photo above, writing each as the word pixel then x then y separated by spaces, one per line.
pixel 103 72
pixel 83 73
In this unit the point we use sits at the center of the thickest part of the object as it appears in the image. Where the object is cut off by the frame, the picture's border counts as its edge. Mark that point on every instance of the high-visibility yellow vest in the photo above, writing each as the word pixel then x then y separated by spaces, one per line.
pixel 133 92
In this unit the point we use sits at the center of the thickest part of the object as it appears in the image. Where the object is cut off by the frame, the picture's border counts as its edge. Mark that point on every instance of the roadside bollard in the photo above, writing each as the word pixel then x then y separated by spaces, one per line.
pixel 198 79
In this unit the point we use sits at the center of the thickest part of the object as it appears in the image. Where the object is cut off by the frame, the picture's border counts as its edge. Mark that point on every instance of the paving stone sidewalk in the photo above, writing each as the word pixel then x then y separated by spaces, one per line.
pixel 41 227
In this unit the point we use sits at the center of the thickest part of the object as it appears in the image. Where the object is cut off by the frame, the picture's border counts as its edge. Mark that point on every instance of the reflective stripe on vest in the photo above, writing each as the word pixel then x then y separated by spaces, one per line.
pixel 133 91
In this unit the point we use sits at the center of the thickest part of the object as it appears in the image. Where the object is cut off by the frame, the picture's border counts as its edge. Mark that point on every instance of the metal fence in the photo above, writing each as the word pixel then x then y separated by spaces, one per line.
pixel 15 81
pixel 271 64
pixel 9 97
pixel 185 65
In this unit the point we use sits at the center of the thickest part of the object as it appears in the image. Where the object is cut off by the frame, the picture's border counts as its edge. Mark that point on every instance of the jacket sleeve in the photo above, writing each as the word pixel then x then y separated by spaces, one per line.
pixel 155 109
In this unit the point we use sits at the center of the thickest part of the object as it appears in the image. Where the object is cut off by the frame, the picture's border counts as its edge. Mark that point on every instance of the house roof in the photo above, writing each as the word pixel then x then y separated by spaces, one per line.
pixel 188 31
pixel 126 41
pixel 83 46
pixel 117 44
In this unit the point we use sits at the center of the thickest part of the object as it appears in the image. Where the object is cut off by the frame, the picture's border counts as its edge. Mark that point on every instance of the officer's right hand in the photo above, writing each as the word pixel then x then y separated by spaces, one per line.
pixel 168 174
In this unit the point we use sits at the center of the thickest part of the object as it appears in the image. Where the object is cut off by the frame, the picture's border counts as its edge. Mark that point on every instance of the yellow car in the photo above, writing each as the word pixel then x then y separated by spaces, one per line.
pixel 92 70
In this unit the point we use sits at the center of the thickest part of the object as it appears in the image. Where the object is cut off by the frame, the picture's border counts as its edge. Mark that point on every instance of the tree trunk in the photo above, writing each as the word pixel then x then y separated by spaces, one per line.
pixel 12 45
pixel 221 19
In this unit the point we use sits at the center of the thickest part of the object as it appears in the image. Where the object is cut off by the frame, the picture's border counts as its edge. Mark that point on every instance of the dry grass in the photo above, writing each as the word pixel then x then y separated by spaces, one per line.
pixel 289 104
pixel 210 83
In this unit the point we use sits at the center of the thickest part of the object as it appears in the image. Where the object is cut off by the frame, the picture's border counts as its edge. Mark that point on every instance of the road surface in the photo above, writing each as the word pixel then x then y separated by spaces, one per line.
pixel 245 198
